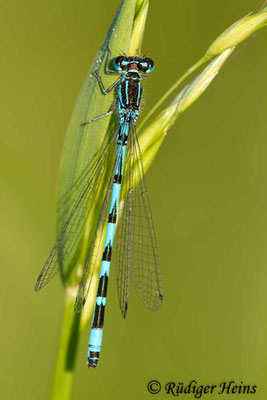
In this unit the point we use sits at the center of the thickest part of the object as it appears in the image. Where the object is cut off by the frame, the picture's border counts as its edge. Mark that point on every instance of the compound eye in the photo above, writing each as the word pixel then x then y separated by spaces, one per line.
pixel 150 65
pixel 117 63
pixel 146 65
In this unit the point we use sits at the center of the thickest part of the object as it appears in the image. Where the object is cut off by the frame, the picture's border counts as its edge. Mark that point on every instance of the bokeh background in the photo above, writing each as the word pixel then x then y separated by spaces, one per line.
pixel 208 189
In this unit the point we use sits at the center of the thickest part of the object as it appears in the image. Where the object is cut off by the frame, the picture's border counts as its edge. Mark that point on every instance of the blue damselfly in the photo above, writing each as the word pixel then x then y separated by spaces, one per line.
pixel 134 241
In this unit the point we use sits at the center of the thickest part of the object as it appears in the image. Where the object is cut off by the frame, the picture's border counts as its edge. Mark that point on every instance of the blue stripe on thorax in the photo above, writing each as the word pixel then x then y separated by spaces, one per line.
pixel 138 95
pixel 126 92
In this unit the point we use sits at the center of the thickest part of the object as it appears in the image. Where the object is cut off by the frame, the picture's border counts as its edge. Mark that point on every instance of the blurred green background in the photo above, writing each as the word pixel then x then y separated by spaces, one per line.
pixel 208 189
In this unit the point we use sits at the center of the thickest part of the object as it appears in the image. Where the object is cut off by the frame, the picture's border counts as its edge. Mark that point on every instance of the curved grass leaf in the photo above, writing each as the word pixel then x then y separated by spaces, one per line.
pixel 82 143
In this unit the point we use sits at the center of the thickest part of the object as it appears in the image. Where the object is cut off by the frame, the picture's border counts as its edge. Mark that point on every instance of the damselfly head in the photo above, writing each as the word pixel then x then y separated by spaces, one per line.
pixel 123 63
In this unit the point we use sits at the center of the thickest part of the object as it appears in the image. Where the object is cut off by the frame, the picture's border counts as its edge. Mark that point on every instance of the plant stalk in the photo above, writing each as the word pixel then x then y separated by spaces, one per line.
pixel 67 350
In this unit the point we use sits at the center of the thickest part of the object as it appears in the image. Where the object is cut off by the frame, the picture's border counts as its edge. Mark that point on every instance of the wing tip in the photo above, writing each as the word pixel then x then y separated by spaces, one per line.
pixel 79 304
pixel 38 284
pixel 124 314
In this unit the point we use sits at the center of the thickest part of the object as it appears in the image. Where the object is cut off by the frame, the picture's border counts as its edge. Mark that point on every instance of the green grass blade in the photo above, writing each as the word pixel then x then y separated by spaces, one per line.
pixel 67 351
pixel 82 144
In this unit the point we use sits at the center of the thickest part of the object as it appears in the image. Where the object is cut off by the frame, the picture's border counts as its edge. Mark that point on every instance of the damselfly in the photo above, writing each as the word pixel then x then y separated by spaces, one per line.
pixel 135 242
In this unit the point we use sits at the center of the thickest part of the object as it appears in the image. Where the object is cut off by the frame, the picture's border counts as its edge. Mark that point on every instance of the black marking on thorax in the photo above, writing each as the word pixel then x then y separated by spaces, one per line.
pixel 130 91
